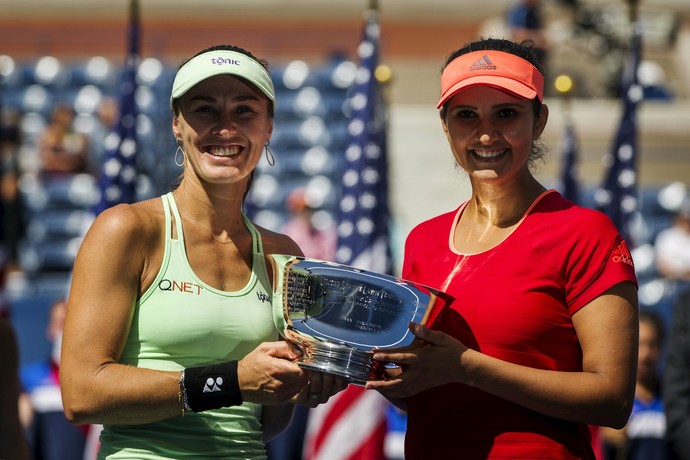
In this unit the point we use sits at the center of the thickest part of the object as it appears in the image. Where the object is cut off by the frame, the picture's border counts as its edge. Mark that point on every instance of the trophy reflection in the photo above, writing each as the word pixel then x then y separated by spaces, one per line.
pixel 337 314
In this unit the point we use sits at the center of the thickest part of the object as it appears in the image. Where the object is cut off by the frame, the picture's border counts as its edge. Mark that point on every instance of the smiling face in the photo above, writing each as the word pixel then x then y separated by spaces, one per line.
pixel 491 132
pixel 223 124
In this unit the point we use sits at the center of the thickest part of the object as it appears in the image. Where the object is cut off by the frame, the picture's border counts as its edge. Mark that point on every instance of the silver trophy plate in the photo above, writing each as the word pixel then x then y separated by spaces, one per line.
pixel 337 314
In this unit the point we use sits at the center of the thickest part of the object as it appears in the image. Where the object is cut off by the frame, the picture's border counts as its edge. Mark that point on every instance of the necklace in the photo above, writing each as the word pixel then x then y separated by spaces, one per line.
pixel 207 230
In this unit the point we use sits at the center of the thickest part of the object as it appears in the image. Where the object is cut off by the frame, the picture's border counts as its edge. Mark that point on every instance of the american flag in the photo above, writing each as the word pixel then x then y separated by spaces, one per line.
pixel 618 196
pixel 118 165
pixel 569 178
pixel 352 425
pixel 363 239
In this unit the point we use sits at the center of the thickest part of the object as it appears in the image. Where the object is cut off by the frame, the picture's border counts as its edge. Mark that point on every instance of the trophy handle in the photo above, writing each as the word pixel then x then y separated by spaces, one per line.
pixel 431 304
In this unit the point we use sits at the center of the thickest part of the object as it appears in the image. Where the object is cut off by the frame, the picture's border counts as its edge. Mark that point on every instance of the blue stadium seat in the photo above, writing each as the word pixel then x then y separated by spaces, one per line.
pixel 317 160
pixel 59 223
pixel 50 72
pixel 54 254
pixel 71 191
pixel 29 316
pixel 301 103
pixel 10 72
pixel 37 98
pixel 337 73
pixel 291 76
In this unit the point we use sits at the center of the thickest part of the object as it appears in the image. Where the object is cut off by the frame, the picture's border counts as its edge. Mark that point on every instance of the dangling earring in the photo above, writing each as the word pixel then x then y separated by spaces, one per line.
pixel 269 155
pixel 179 164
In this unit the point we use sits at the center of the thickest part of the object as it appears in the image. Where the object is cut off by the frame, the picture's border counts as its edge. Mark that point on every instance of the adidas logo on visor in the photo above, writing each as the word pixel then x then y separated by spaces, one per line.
pixel 484 63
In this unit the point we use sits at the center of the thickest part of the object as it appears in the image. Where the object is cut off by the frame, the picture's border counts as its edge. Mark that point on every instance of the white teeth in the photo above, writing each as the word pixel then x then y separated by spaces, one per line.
pixel 225 151
pixel 488 153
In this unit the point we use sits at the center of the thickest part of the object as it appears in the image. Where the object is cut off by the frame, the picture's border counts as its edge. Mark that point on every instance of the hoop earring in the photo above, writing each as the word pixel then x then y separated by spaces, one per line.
pixel 269 155
pixel 179 164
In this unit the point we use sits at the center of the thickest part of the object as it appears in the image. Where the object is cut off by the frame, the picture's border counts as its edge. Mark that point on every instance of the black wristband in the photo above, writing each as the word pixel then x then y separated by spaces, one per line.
pixel 212 387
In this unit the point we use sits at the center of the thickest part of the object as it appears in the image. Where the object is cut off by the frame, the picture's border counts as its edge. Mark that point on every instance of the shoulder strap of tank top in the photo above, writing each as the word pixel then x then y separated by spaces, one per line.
pixel 178 221
pixel 168 221
pixel 258 258
pixel 257 245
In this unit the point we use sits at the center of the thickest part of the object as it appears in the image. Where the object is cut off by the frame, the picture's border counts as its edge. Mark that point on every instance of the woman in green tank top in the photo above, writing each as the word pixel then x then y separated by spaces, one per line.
pixel 169 341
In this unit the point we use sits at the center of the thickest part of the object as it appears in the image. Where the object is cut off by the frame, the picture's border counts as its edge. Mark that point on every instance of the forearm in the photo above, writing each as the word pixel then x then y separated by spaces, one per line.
pixel 120 394
pixel 583 397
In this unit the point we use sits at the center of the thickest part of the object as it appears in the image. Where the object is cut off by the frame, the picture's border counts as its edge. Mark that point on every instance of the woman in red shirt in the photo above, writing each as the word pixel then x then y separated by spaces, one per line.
pixel 540 338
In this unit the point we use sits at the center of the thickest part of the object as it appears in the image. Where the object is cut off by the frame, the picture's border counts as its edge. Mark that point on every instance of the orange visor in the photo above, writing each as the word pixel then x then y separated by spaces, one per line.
pixel 491 68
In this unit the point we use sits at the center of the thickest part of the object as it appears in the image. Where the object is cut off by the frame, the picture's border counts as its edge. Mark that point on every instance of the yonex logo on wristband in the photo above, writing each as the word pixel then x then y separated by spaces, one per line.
pixel 213 385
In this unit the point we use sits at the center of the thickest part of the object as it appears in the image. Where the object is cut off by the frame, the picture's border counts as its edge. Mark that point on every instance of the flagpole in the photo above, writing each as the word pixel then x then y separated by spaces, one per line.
pixel 618 195
pixel 118 169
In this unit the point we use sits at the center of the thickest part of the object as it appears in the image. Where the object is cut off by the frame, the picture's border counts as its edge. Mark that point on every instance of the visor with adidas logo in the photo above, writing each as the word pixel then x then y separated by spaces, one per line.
pixel 221 62
pixel 492 68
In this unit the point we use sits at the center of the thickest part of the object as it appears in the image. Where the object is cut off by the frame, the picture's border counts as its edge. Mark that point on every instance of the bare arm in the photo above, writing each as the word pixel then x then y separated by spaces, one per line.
pixel 106 281
pixel 602 394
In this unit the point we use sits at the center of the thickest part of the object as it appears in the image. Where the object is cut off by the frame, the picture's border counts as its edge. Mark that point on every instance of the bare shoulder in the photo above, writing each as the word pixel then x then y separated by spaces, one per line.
pixel 123 239
pixel 278 243
pixel 135 224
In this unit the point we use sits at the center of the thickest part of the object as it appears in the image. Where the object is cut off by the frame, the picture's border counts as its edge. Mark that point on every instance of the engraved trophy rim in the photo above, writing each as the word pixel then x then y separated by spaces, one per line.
pixel 323 346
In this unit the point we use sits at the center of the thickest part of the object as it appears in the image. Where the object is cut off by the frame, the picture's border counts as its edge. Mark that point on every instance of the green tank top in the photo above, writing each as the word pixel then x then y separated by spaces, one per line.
pixel 182 322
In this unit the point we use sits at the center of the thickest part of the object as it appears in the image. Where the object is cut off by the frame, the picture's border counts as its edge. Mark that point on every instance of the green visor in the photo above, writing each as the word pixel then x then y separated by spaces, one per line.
pixel 221 62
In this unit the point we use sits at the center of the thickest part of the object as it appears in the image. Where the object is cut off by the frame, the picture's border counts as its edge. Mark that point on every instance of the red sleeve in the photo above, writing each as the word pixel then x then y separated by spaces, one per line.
pixel 599 260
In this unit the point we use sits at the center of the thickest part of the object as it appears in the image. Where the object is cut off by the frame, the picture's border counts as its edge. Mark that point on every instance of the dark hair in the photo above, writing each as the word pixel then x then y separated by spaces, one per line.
pixel 237 49
pixel 524 50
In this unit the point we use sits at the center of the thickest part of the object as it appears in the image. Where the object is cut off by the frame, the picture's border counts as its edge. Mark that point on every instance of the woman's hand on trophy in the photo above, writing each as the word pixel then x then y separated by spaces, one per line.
pixel 320 388
pixel 424 364
pixel 269 374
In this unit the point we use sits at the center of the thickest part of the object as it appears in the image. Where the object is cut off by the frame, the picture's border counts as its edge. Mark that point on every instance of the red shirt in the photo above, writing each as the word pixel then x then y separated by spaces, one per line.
pixel 513 302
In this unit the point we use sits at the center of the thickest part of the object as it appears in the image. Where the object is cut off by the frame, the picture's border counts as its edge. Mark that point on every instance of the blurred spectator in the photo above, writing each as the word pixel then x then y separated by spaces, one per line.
pixel 524 20
pixel 61 148
pixel 672 246
pixel 51 435
pixel 643 438
pixel 677 380
pixel 12 443
pixel 316 243
pixel 11 205
pixel 107 112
